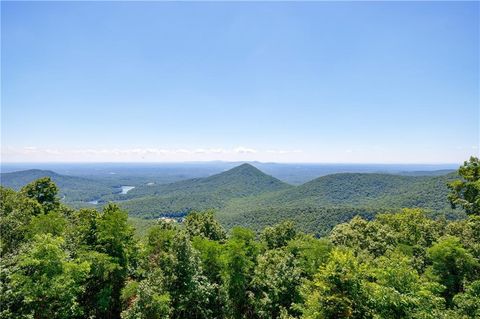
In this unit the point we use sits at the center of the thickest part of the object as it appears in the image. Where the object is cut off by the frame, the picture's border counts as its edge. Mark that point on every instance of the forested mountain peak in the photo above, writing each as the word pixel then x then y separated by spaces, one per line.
pixel 202 193
pixel 246 171
pixel 244 168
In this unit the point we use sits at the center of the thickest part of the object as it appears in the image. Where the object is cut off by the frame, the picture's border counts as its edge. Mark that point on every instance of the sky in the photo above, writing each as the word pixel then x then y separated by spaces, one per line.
pixel 325 82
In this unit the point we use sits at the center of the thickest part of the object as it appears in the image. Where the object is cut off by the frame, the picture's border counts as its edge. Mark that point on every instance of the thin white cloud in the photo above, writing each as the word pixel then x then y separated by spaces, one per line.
pixel 148 154
pixel 244 150
pixel 32 153
pixel 283 151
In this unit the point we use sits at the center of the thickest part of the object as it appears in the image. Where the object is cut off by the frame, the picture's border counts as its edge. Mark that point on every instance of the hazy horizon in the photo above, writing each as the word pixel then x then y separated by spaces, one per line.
pixel 233 161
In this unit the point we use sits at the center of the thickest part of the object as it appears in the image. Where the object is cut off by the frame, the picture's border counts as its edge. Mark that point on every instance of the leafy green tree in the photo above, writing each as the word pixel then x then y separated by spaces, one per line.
pixel 359 234
pixel 205 225
pixel 278 236
pixel 16 211
pixel 150 300
pixel 398 291
pixel 452 265
pixel 465 192
pixel 158 248
pixel 84 228
pixel 51 223
pixel 114 238
pixel 338 289
pixel 114 234
pixel 275 283
pixel 99 297
pixel 413 232
pixel 171 250
pixel 210 253
pixel 44 191
pixel 310 253
pixel 240 254
pixel 411 227
pixel 49 282
pixel 468 231
pixel 190 291
pixel 468 303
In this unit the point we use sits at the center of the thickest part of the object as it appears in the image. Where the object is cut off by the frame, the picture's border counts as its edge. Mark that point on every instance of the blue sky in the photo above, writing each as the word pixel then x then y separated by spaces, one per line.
pixel 274 81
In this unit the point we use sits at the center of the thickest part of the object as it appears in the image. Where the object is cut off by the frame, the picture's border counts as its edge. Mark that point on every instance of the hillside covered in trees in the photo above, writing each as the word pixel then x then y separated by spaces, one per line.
pixel 58 262
pixel 246 196
pixel 71 188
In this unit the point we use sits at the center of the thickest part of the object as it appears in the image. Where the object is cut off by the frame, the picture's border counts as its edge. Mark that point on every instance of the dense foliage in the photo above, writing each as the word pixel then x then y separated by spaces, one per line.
pixel 465 192
pixel 63 263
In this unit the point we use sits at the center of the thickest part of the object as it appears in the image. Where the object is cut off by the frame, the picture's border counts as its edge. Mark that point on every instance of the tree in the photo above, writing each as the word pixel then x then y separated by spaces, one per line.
pixel 84 228
pixel 50 223
pixel 465 192
pixel 468 231
pixel 99 298
pixel 338 289
pixel 49 282
pixel 275 283
pixel 150 300
pixel 452 265
pixel 240 254
pixel 398 291
pixel 16 211
pixel 114 238
pixel 409 227
pixel 310 253
pixel 278 236
pixel 468 303
pixel 204 225
pixel 359 234
pixel 210 253
pixel 170 249
pixel 44 191
pixel 412 232
pixel 189 289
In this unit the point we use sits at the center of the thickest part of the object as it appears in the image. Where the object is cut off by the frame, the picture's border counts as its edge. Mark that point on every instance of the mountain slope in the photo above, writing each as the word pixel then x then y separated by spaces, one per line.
pixel 318 205
pixel 372 189
pixel 202 193
pixel 72 188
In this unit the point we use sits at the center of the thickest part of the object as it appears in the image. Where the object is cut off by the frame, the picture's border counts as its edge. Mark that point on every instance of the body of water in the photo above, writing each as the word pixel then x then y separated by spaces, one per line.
pixel 126 189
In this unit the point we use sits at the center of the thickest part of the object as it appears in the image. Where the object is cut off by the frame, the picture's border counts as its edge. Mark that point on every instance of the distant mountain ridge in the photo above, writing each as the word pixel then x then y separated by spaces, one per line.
pixel 328 200
pixel 238 182
pixel 363 188
pixel 72 188
pixel 18 179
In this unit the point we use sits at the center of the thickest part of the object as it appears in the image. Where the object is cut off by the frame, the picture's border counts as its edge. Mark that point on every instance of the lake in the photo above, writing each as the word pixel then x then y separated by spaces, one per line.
pixel 126 189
